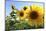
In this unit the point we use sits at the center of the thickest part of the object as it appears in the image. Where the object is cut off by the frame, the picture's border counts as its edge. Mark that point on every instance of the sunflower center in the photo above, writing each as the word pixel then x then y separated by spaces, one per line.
pixel 33 15
pixel 21 14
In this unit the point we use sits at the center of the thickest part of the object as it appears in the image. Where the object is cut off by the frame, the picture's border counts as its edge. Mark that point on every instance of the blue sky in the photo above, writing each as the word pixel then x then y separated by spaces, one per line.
pixel 8 8
pixel 17 4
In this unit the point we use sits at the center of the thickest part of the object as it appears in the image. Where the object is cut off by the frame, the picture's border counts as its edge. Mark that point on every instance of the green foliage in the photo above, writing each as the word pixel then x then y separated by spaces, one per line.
pixel 12 23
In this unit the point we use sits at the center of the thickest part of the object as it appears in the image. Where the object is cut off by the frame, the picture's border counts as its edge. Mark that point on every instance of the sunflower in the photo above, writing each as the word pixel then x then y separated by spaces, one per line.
pixel 22 15
pixel 23 12
pixel 35 16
